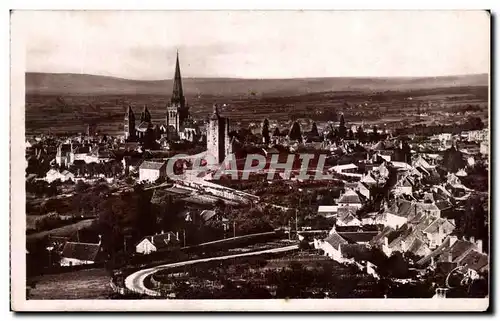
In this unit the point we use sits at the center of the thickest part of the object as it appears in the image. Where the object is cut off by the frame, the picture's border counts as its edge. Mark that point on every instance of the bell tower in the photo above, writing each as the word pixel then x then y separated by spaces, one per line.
pixel 129 124
pixel 177 110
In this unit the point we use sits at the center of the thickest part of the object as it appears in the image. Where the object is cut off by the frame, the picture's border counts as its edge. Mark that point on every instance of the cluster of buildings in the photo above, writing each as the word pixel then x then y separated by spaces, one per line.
pixel 416 219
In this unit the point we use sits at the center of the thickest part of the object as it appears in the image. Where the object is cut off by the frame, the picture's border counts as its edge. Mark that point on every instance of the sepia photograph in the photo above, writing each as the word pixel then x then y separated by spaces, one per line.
pixel 250 160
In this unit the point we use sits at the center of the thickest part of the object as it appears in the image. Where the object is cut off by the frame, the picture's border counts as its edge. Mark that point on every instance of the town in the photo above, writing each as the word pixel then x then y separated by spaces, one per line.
pixel 401 211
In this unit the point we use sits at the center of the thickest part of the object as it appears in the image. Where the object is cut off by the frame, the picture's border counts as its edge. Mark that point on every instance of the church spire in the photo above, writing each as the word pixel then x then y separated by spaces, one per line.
pixel 177 93
pixel 145 115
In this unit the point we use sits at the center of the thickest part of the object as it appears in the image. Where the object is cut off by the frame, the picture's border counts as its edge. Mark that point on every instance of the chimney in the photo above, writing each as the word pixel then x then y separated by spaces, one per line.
pixel 177 235
pixel 479 246
pixel 386 241
pixel 472 239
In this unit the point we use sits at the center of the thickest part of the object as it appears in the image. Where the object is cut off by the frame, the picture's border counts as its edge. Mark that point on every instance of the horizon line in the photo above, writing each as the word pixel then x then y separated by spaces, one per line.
pixel 243 78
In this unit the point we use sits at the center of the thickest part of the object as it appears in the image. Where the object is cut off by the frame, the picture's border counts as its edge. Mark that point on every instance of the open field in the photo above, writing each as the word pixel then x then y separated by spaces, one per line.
pixel 67 103
pixel 61 231
pixel 83 284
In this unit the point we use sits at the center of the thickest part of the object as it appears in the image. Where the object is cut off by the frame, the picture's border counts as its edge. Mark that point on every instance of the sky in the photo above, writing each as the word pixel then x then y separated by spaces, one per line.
pixel 257 44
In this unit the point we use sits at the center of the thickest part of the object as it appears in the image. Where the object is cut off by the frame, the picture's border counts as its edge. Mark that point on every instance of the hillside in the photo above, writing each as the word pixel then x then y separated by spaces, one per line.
pixel 80 84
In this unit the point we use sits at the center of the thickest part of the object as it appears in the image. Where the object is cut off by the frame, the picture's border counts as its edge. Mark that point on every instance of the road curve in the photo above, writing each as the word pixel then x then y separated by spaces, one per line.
pixel 135 281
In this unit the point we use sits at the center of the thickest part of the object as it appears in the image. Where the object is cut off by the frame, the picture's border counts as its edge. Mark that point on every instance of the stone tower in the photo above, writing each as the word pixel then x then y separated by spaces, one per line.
pixel 129 124
pixel 218 141
pixel 177 110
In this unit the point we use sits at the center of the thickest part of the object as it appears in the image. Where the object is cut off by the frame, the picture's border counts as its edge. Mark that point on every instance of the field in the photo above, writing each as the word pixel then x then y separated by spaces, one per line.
pixel 296 275
pixel 67 103
pixel 67 230
pixel 83 284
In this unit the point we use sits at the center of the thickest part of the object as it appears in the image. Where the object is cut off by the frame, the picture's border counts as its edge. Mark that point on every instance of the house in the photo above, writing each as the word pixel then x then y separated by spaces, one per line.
pixel 369 180
pixel 76 253
pixel 54 174
pixel 67 175
pixel 438 231
pixel 410 237
pixel 358 237
pixel 152 170
pixel 401 165
pixel 331 245
pixel 391 219
pixel 421 162
pixel 404 186
pixel 383 170
pixel 455 252
pixel 350 198
pixel 327 210
pixel 158 242
pixel 346 216
pixel 381 240
pixel 363 189
pixel 211 215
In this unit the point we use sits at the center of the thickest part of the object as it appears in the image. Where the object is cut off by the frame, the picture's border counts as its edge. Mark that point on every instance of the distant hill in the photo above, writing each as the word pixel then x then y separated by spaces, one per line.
pixel 80 84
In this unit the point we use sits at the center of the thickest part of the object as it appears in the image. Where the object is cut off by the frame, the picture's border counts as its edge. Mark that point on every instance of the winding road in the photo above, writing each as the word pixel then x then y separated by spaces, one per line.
pixel 135 281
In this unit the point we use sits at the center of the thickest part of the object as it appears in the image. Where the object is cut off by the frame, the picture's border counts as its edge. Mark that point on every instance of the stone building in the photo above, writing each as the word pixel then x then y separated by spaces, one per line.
pixel 177 109
pixel 218 141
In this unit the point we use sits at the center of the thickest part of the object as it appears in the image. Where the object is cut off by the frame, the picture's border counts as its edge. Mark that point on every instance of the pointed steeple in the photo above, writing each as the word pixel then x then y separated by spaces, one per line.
pixel 145 115
pixel 177 92
pixel 130 114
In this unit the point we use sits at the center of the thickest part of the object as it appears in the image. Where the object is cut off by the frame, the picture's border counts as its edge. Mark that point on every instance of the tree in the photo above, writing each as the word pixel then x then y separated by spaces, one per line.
pixel 314 130
pixel 361 135
pixel 453 160
pixel 350 134
pixel 342 131
pixel 265 131
pixel 295 132
pixel 375 135
pixel 474 222
pixel 276 132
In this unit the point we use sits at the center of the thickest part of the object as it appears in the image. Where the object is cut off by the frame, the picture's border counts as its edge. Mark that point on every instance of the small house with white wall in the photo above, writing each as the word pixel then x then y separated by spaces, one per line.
pixel 152 170
pixel 153 243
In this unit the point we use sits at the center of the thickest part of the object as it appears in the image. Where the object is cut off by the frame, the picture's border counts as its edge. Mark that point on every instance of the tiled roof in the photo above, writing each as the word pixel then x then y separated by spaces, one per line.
pixel 335 240
pixel 81 251
pixel 378 146
pixel 444 247
pixel 475 260
pixel 460 248
pixel 163 240
pixel 358 252
pixel 206 215
pixel 434 227
pixel 350 197
pixel 442 205
pixel 152 165
pixel 416 245
pixel 377 239
pixel 358 237
pixel 344 211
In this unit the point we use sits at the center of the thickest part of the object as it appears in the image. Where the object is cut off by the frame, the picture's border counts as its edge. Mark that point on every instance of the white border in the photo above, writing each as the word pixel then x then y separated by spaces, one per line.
pixel 17 200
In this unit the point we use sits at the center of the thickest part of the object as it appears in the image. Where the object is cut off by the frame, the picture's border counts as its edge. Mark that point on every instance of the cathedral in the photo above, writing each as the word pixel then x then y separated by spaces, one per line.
pixel 178 124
